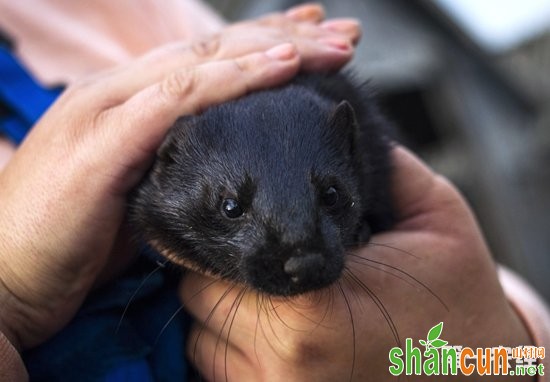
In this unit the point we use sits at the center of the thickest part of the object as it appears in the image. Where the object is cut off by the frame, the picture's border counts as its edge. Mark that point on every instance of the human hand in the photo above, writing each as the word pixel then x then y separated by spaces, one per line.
pixel 325 45
pixel 432 266
pixel 63 192
pixel 93 36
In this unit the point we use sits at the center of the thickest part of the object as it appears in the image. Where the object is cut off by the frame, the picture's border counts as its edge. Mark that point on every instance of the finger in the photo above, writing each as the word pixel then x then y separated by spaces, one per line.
pixel 128 79
pixel 144 119
pixel 325 54
pixel 120 83
pixel 202 348
pixel 201 295
pixel 311 12
pixel 189 91
pixel 348 27
pixel 214 358
pixel 411 180
pixel 319 48
pixel 322 48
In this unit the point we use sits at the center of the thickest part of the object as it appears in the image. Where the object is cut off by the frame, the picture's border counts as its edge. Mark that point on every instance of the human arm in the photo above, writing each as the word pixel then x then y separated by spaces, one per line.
pixel 61 41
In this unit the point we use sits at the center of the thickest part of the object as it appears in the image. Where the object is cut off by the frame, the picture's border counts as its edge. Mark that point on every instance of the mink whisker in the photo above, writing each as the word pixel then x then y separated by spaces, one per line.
pixel 160 265
pixel 264 300
pixel 238 301
pixel 180 308
pixel 268 313
pixel 404 273
pixel 380 269
pixel 172 317
pixel 352 322
pixel 317 323
pixel 259 307
pixel 208 318
pixel 372 244
pixel 379 304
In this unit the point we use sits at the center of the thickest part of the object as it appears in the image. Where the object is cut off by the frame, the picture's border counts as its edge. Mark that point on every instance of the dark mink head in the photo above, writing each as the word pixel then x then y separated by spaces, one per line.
pixel 264 190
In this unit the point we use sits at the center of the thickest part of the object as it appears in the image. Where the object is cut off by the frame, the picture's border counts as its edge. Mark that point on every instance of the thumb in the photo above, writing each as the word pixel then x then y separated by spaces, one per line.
pixel 423 199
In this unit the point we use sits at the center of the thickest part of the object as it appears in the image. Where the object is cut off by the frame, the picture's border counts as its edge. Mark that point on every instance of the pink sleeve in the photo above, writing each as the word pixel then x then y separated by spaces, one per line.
pixel 11 365
pixel 530 307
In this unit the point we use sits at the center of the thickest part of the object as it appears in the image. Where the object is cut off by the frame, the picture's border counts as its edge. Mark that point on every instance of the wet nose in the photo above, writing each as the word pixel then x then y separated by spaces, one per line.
pixel 305 267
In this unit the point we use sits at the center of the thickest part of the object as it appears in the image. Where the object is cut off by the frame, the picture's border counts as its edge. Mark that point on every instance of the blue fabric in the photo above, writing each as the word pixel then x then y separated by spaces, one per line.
pixel 96 345
pixel 130 372
pixel 23 98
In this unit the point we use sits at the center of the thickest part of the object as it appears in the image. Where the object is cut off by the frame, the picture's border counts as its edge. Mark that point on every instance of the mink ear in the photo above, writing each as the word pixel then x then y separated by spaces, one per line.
pixel 345 127
pixel 173 139
pixel 167 148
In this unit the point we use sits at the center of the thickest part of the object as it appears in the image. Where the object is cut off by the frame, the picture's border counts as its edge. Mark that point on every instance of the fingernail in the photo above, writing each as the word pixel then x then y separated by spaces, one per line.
pixel 337 43
pixel 282 52
pixel 341 25
pixel 306 12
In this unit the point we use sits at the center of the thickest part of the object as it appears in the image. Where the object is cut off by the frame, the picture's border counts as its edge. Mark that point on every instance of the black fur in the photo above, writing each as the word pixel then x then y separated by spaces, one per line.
pixel 277 153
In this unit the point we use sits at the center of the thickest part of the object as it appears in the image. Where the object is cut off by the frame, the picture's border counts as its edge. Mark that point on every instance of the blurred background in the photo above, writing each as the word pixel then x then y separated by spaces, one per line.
pixel 468 84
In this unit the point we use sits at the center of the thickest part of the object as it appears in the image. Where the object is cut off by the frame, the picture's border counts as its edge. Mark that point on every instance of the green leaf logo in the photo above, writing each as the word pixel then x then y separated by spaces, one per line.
pixel 435 332
pixel 433 341
pixel 439 343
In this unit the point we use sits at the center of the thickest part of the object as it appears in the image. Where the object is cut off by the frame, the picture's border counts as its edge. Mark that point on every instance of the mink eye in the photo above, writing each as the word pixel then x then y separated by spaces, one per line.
pixel 231 208
pixel 330 196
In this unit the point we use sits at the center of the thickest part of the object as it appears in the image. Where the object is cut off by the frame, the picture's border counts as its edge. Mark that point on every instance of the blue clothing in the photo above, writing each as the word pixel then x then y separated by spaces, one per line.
pixel 97 345
pixel 23 100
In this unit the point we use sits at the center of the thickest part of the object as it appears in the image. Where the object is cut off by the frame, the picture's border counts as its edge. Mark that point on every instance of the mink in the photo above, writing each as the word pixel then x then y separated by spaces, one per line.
pixel 273 189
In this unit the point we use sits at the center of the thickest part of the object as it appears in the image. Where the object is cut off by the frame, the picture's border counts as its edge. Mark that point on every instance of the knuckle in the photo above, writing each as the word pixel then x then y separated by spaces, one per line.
pixel 179 84
pixel 243 65
pixel 207 48
pixel 240 66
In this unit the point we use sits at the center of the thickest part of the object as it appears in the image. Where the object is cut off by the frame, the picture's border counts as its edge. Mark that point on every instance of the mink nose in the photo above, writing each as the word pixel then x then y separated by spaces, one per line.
pixel 302 268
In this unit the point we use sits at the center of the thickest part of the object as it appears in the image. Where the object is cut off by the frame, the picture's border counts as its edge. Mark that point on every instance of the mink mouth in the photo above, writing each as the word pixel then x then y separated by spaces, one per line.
pixel 184 262
pixel 295 275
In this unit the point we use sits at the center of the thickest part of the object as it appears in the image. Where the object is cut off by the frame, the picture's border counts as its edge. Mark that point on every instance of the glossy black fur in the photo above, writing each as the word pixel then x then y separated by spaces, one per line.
pixel 276 152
